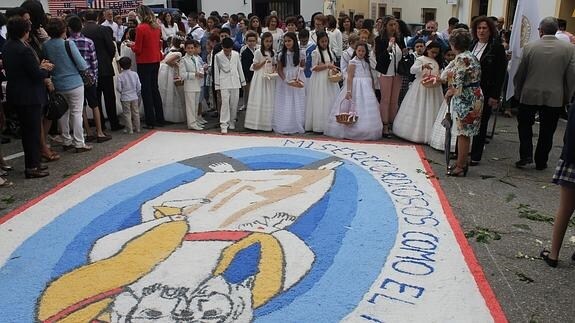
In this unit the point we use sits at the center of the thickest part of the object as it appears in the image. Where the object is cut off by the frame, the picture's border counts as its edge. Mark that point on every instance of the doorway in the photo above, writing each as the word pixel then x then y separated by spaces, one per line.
pixel 284 8
pixel 186 6
pixel 479 8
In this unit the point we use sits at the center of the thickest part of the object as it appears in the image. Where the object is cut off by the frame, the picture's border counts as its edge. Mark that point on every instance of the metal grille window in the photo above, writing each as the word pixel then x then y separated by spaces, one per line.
pixel 428 14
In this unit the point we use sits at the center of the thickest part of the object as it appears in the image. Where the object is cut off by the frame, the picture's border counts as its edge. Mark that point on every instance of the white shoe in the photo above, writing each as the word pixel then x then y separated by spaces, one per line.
pixel 232 126
pixel 195 126
pixel 201 120
pixel 224 131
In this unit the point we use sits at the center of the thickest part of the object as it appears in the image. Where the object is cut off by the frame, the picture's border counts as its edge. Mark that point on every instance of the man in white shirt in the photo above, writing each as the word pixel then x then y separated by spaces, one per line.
pixel 109 22
pixel 451 25
pixel 196 32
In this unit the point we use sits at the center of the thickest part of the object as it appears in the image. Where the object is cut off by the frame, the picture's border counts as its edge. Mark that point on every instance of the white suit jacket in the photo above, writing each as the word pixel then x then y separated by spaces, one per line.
pixel 228 73
pixel 188 68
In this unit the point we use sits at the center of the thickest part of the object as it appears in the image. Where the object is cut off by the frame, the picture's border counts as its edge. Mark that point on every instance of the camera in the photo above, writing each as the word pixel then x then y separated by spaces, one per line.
pixel 425 32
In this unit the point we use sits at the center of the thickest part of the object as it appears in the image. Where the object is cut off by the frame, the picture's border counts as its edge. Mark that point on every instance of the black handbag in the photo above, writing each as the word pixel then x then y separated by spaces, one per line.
pixel 405 65
pixel 87 77
pixel 57 106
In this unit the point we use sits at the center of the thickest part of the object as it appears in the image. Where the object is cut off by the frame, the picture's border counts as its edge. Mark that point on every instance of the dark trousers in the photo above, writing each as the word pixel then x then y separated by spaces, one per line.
pixel 153 110
pixel 106 87
pixel 30 117
pixel 548 118
pixel 479 140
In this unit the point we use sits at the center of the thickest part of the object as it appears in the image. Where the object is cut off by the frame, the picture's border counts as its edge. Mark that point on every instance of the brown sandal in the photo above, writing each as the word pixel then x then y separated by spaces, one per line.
pixel 50 157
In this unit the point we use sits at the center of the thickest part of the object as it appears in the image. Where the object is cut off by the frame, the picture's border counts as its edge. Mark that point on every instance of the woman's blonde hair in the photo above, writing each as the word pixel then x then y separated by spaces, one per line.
pixel 147 16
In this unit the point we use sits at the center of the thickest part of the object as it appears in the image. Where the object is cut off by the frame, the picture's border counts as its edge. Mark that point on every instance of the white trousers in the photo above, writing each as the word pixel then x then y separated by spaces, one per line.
pixel 73 117
pixel 192 100
pixel 229 111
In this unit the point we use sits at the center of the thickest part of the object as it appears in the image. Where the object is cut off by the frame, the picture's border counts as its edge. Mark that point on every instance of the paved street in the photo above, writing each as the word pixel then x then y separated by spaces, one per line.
pixel 506 212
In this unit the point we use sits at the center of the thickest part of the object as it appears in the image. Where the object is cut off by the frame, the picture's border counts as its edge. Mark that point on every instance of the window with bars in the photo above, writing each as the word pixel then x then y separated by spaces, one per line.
pixel 396 12
pixel 428 14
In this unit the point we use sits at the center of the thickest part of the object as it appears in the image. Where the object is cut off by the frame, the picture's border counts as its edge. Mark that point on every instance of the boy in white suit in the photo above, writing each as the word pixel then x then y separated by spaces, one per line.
pixel 192 72
pixel 228 79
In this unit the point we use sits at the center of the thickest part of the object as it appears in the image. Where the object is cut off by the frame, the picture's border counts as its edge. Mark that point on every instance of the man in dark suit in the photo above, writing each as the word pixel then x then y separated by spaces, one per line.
pixel 544 84
pixel 105 51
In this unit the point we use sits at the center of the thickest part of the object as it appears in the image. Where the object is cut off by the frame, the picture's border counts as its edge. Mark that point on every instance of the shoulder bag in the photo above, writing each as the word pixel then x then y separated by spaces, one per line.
pixel 87 77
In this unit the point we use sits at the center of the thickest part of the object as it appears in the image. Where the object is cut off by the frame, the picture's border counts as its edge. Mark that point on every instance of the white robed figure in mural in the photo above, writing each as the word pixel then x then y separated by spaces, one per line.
pixel 175 265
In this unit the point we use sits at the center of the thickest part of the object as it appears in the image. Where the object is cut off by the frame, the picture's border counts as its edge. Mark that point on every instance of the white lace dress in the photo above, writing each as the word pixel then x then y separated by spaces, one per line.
pixel 289 111
pixel 322 93
pixel 368 125
pixel 172 95
pixel 414 121
pixel 260 108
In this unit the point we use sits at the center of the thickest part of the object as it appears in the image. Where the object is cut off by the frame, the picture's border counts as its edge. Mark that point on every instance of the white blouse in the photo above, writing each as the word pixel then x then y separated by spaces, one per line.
pixel 168 32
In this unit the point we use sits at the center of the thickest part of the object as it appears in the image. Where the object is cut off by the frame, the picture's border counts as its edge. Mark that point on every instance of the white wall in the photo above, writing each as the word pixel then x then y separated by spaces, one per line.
pixel 227 6
pixel 309 7
pixel 411 10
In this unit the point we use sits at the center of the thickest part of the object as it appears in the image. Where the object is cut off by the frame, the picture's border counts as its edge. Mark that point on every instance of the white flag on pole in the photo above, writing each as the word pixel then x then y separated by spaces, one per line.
pixel 525 29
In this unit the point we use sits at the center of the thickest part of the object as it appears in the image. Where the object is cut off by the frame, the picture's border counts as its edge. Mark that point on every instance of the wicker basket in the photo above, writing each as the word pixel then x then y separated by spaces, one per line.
pixel 296 82
pixel 269 71
pixel 430 81
pixel 335 75
pixel 346 118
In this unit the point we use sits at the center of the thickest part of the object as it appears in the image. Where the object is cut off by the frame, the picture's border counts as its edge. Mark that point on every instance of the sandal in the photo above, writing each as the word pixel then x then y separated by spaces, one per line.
pixel 50 157
pixel 386 131
pixel 5 183
pixel 545 256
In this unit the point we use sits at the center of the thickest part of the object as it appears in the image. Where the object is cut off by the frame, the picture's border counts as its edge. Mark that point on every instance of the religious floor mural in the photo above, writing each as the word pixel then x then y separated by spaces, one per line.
pixel 182 227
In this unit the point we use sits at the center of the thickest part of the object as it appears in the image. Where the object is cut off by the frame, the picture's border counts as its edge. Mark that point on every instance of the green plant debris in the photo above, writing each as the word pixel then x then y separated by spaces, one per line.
pixel 508 183
pixel 524 278
pixel 523 227
pixel 431 161
pixel 527 212
pixel 483 235
pixel 427 175
pixel 510 197
pixel 8 199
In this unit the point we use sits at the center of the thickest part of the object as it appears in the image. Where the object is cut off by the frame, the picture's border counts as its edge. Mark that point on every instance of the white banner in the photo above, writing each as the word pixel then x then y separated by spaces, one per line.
pixel 525 29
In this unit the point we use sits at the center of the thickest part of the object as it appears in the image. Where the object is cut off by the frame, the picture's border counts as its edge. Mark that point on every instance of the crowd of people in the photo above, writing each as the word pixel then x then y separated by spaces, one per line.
pixel 349 77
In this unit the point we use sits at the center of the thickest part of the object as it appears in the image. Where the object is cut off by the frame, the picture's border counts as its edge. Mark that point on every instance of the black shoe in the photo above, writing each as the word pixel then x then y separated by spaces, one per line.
pixel 5 140
pixel 523 162
pixel 573 256
pixel 118 127
pixel 43 167
pixel 160 124
pixel 473 163
pixel 545 256
pixel 148 127
pixel 541 167
pixel 35 173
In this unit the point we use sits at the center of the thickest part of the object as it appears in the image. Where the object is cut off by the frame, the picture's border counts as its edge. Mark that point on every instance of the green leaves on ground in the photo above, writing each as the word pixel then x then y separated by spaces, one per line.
pixel 427 175
pixel 8 199
pixel 510 197
pixel 483 235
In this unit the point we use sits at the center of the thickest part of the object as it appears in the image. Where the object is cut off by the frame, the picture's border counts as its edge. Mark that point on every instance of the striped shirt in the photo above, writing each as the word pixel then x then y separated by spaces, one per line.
pixel 88 51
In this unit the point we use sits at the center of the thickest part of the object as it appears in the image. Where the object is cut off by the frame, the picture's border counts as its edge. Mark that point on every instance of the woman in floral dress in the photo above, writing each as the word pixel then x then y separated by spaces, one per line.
pixel 465 96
